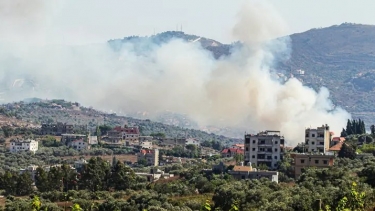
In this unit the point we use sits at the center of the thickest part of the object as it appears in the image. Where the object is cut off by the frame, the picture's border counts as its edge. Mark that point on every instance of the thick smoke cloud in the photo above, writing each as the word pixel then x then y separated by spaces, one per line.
pixel 236 91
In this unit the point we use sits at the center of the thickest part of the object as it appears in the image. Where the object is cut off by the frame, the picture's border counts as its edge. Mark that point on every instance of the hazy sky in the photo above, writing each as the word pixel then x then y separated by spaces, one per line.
pixel 87 21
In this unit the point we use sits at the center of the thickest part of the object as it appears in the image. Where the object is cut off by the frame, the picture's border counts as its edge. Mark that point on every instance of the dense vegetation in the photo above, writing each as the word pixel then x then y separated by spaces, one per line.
pixel 102 187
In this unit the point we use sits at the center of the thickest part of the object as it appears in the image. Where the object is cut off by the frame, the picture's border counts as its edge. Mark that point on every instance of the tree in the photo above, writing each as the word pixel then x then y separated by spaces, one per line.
pixel 206 206
pixel 347 151
pixel 7 130
pixel 36 204
pixel 239 157
pixel 368 175
pixel 95 175
pixel 343 133
pixel 122 177
pixel 76 207
pixel 41 180
pixel 24 184
pixel 372 129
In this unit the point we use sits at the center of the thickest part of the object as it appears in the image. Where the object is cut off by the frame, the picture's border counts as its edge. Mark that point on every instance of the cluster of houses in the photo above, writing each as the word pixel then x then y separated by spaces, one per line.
pixel 78 137
pixel 266 148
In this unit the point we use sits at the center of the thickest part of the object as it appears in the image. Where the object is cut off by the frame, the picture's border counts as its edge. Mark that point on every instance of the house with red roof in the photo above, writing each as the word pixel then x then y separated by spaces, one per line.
pixel 230 152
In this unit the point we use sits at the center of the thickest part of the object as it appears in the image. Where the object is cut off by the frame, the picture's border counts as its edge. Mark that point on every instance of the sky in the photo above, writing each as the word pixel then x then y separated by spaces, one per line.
pixel 92 21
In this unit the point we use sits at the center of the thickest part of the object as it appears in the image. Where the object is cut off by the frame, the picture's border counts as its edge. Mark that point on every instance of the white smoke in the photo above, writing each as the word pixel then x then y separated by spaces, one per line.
pixel 182 77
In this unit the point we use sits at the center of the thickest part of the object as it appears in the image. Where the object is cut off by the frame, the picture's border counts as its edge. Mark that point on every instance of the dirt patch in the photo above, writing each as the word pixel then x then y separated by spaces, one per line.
pixel 2 201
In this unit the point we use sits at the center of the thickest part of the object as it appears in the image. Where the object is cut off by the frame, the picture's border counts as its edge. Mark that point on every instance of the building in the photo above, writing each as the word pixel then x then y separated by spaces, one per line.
pixel 335 149
pixel 264 148
pixel 32 169
pixel 247 172
pixel 79 144
pixel 317 139
pixel 172 142
pixel 76 141
pixel 231 152
pixel 192 141
pixel 93 140
pixel 238 146
pixel 301 161
pixel 151 157
pixel 57 129
pixel 23 145
pixel 336 140
pixel 129 134
pixel 79 164
pixel 146 144
pixel 155 175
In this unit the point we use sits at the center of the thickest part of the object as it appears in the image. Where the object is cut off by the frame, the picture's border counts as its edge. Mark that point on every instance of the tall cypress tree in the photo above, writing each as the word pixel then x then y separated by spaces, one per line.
pixel 349 130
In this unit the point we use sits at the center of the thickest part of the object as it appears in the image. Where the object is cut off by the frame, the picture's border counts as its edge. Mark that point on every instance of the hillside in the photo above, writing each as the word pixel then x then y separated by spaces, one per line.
pixel 48 111
pixel 143 43
pixel 341 58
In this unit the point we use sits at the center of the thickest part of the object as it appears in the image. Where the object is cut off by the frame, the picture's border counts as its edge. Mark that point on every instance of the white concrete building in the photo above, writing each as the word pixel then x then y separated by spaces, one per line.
pixel 192 141
pixel 317 139
pixel 79 144
pixel 264 148
pixel 146 144
pixel 93 140
pixel 24 145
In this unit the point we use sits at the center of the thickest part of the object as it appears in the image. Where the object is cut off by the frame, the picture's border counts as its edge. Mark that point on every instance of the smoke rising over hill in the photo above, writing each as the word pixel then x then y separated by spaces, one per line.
pixel 179 76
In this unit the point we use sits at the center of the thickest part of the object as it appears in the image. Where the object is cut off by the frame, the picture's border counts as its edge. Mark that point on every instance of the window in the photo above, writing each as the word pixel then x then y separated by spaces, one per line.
pixel 254 141
pixel 325 161
pixel 276 142
pixel 253 149
pixel 269 157
pixel 316 161
pixel 247 141
pixel 253 156
pixel 313 143
pixel 313 135
pixel 247 148
pixel 276 157
pixel 302 160
pixel 275 149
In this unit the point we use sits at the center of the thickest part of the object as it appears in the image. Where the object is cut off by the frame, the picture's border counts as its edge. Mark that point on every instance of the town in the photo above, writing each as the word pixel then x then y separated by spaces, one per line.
pixel 76 159
pixel 257 157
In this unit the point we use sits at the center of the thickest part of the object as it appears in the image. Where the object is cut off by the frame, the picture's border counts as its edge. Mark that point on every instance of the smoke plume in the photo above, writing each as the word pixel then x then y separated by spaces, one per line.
pixel 179 76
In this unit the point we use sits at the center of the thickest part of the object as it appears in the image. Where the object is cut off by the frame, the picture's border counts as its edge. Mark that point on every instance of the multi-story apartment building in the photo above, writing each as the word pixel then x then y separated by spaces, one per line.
pixel 264 148
pixel 127 133
pixel 301 161
pixel 317 139
pixel 23 145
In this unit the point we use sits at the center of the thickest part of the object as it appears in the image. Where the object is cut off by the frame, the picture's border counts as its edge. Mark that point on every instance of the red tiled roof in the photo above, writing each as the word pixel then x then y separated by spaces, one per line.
pixel 338 139
pixel 146 151
pixel 336 147
pixel 232 150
